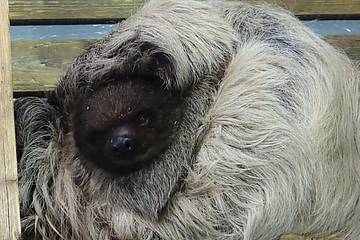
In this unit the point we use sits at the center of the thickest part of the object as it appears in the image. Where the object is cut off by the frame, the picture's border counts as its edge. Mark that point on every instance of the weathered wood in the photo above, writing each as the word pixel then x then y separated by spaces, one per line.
pixel 350 44
pixel 322 8
pixel 75 10
pixel 295 237
pixel 37 65
pixel 72 9
pixel 9 196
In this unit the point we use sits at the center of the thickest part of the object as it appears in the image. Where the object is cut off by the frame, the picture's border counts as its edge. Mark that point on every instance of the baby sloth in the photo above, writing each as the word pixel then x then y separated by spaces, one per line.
pixel 123 125
pixel 195 120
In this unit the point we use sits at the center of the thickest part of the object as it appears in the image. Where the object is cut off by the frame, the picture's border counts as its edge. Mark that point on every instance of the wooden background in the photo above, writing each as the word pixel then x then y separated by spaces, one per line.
pixel 37 65
pixel 44 10
pixel 9 194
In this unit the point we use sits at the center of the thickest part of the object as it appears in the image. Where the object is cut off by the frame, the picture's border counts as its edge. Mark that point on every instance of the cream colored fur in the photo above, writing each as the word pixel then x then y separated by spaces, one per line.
pixel 270 147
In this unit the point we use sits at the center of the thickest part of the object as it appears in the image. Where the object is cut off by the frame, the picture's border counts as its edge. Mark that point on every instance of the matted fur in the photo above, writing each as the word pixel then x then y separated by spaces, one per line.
pixel 268 144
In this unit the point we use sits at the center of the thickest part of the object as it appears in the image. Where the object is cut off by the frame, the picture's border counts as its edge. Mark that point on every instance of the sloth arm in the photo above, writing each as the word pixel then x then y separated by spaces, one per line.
pixel 35 122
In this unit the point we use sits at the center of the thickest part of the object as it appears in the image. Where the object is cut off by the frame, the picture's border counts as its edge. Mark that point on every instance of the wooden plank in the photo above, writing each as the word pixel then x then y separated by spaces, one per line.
pixel 21 10
pixel 350 44
pixel 339 9
pixel 296 237
pixel 37 65
pixel 94 10
pixel 9 195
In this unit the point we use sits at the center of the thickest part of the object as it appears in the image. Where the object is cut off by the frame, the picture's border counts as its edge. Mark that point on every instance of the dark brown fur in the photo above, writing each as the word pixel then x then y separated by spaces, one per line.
pixel 141 107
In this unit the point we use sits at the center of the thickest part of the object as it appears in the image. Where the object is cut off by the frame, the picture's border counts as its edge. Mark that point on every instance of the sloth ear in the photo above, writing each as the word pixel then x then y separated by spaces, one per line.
pixel 155 63
pixel 140 58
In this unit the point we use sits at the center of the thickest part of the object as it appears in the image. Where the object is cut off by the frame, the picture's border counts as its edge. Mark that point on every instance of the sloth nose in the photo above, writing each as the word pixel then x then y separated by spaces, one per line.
pixel 123 142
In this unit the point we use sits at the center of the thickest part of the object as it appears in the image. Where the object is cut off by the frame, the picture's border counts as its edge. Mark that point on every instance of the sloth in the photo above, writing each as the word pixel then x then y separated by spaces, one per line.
pixel 195 120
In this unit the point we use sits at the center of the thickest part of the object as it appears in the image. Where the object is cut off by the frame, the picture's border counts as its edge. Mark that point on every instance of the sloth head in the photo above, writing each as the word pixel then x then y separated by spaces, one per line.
pixel 135 103
pixel 124 125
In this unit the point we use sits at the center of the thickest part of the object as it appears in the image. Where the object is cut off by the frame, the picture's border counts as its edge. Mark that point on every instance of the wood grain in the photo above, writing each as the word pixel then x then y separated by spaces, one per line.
pixel 350 44
pixel 37 65
pixel 94 10
pixel 72 9
pixel 9 195
pixel 296 237
pixel 322 8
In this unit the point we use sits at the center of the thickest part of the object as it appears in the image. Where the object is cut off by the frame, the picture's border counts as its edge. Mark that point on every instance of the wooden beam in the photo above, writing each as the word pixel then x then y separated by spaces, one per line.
pixel 76 10
pixel 339 9
pixel 9 195
pixel 38 65
pixel 95 11
pixel 350 44
pixel 295 237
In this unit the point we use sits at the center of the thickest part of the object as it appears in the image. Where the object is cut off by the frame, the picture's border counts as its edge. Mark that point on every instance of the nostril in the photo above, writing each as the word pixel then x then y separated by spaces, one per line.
pixel 122 144
pixel 128 144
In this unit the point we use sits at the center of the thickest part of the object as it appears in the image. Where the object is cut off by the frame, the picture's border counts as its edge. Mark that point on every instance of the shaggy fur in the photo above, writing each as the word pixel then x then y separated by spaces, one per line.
pixel 269 143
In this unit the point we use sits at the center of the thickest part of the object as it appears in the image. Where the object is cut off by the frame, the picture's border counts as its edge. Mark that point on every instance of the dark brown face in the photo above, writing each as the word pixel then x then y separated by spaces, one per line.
pixel 125 125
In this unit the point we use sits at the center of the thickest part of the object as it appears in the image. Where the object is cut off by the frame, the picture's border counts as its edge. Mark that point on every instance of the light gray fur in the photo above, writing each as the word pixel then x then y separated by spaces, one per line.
pixel 269 143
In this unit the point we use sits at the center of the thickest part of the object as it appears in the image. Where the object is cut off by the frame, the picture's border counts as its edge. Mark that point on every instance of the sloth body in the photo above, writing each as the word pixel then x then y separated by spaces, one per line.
pixel 250 132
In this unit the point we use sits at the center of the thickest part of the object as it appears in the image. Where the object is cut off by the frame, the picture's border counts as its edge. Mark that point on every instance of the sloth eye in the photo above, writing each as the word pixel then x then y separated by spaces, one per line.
pixel 143 120
pixel 146 118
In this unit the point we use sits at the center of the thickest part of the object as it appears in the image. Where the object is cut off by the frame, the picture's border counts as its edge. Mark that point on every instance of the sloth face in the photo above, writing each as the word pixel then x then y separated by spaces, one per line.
pixel 126 124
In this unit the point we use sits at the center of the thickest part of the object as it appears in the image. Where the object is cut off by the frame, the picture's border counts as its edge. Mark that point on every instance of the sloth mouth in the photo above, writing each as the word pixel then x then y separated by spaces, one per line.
pixel 145 158
pixel 119 165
